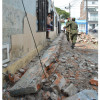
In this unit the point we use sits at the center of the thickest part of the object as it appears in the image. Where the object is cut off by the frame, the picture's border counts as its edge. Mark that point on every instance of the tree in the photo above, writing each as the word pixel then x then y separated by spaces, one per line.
pixel 62 13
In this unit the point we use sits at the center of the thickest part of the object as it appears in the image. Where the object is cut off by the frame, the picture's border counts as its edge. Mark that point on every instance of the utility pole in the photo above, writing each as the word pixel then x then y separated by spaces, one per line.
pixel 69 10
pixel 86 16
pixel 69 7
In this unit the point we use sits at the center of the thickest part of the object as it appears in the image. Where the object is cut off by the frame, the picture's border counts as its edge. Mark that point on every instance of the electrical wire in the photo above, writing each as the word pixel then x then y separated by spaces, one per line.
pixel 78 1
pixel 73 2
pixel 33 37
pixel 66 4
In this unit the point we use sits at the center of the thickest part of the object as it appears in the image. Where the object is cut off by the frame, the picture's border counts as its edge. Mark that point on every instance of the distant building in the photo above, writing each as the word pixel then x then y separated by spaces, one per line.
pixel 92 13
pixel 81 25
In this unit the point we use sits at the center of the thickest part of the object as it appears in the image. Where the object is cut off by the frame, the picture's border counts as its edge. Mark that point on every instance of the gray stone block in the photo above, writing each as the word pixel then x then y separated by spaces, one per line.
pixel 84 95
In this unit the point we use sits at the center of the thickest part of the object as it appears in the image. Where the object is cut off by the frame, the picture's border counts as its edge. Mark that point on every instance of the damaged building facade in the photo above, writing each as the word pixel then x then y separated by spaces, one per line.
pixel 18 45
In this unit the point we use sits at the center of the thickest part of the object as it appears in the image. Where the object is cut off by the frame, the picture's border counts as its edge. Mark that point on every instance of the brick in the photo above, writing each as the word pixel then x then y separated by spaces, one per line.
pixel 59 77
pixel 63 97
pixel 60 81
pixel 95 88
pixel 67 81
pixel 38 86
pixel 58 98
pixel 94 82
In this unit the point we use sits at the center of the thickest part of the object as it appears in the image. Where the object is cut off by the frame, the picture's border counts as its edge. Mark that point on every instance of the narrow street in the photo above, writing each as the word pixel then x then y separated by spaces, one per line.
pixel 81 64
pixel 39 60
pixel 77 71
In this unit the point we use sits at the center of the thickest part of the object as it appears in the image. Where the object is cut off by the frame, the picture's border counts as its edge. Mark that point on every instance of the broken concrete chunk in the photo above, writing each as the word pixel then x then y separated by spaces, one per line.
pixel 39 95
pixel 53 51
pixel 29 97
pixel 21 70
pixel 60 81
pixel 84 95
pixel 46 95
pixel 63 60
pixel 69 66
pixel 56 91
pixel 70 90
pixel 54 96
pixel 29 83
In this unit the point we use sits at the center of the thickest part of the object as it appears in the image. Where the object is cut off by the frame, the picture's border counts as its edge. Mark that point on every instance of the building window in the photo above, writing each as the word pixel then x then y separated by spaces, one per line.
pixel 93 17
pixel 42 11
pixel 93 2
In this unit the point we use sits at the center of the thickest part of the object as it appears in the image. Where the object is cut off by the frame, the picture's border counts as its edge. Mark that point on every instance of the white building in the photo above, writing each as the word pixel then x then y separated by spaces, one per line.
pixel 92 14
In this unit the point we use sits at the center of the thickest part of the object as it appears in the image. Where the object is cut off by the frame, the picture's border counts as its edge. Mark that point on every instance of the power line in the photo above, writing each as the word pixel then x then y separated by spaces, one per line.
pixel 70 4
pixel 77 1
pixel 67 4
pixel 69 7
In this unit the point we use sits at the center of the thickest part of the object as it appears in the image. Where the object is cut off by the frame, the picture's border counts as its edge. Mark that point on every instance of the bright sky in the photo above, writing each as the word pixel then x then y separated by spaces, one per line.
pixel 75 9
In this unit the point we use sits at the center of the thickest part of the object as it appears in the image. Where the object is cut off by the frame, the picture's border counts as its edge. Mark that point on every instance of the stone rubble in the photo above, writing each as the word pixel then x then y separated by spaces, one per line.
pixel 31 80
pixel 71 75
pixel 70 90
pixel 94 81
pixel 87 38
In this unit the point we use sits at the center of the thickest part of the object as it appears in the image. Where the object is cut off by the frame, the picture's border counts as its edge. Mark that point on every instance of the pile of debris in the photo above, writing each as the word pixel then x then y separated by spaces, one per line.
pixel 87 38
pixel 64 77
pixel 31 80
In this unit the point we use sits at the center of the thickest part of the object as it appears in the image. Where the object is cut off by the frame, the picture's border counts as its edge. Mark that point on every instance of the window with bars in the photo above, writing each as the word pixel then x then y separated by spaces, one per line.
pixel 93 2
pixel 42 11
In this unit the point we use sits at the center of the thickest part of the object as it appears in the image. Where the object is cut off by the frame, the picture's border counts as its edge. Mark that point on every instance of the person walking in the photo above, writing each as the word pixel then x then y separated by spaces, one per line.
pixel 68 29
pixel 73 31
pixel 49 25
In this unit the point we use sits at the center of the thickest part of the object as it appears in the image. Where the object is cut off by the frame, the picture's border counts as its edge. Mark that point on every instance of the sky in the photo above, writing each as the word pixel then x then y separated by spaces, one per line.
pixel 75 9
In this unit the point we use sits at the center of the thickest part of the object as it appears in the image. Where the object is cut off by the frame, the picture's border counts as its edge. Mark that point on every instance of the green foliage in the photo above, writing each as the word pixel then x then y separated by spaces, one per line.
pixel 62 13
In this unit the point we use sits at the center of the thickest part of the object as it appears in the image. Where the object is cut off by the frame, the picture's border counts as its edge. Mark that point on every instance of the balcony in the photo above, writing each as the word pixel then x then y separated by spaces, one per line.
pixel 93 19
